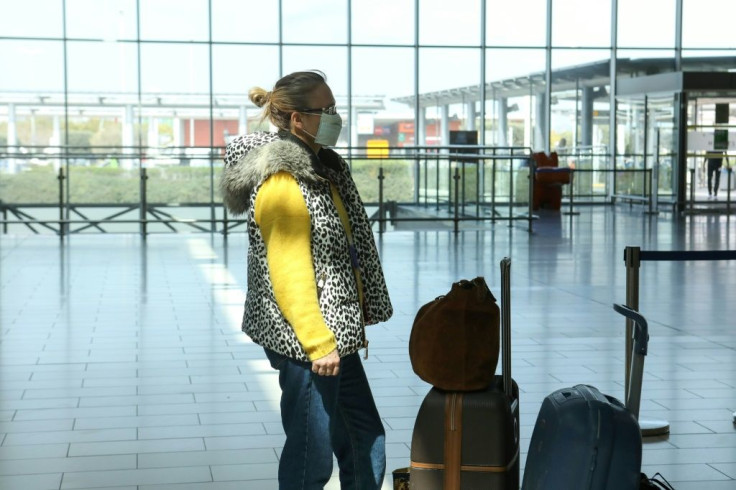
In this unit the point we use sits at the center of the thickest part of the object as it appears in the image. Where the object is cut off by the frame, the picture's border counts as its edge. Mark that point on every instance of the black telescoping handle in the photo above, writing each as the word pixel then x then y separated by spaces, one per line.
pixel 506 325
pixel 641 332
pixel 636 370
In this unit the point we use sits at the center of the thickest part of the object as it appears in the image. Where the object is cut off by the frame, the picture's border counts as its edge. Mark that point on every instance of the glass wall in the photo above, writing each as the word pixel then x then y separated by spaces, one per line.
pixel 126 98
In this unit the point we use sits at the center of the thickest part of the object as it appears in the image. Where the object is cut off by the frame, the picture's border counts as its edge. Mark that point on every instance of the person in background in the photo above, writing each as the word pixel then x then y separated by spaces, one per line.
pixel 314 282
pixel 561 146
pixel 714 162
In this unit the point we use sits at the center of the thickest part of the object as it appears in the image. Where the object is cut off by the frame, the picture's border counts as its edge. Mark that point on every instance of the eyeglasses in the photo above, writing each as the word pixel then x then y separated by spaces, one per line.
pixel 324 110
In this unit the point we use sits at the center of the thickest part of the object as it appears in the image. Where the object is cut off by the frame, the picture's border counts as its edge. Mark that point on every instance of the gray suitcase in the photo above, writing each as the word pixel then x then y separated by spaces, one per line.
pixel 470 440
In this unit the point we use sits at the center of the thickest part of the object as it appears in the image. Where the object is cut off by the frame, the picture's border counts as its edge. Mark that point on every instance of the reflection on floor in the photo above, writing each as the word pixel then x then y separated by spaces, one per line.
pixel 122 365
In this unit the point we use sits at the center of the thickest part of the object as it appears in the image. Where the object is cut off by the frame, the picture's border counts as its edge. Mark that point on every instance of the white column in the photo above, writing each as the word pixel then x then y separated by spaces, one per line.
pixel 128 137
pixel 178 132
pixel 541 132
pixel 470 119
pixel 56 141
pixel 12 138
pixel 503 121
pixel 421 130
pixel 444 125
pixel 243 120
pixel 153 131
pixel 353 126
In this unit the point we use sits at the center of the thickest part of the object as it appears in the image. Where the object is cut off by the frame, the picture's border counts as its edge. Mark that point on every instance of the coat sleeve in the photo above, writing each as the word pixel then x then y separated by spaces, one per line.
pixel 282 216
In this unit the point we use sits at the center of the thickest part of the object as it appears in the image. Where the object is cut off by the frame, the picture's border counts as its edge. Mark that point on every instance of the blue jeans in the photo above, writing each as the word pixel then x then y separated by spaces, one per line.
pixel 323 415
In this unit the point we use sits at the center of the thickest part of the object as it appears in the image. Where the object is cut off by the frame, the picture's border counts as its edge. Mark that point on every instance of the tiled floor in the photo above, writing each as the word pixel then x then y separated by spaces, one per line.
pixel 122 366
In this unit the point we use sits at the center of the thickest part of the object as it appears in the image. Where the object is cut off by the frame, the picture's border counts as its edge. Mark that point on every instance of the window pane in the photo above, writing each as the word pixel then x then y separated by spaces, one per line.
pixel 316 21
pixel 232 81
pixel 453 23
pixel 501 32
pixel 174 69
pixel 636 61
pixel 32 18
pixel 175 20
pixel 28 175
pixel 440 71
pixel 113 19
pixel 30 66
pixel 514 76
pixel 569 58
pixel 635 28
pixel 245 21
pixel 581 23
pixel 690 60
pixel 708 23
pixel 115 68
pixel 383 21
pixel 330 60
pixel 446 68
pixel 378 115
pixel 233 76
pixel 511 63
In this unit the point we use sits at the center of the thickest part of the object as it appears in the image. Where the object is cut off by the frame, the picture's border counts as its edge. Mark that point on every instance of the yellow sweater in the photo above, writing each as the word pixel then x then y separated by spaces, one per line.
pixel 282 216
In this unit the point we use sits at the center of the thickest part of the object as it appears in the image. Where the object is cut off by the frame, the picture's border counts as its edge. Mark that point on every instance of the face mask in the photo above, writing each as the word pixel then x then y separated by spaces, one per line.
pixel 329 129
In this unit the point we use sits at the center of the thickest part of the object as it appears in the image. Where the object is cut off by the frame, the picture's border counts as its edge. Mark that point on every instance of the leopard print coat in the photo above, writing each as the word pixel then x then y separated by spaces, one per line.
pixel 249 161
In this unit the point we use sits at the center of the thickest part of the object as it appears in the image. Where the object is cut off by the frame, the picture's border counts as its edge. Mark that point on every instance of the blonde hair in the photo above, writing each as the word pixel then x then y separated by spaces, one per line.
pixel 290 94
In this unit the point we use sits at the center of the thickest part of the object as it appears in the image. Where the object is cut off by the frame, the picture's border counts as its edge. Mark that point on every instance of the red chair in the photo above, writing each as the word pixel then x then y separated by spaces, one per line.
pixel 548 180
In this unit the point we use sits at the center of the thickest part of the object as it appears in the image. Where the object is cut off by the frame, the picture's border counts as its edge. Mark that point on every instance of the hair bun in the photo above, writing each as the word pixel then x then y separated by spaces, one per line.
pixel 259 96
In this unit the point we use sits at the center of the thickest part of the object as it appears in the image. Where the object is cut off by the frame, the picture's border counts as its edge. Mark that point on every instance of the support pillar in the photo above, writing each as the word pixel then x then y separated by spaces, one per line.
pixel 12 138
pixel 503 121
pixel 242 120
pixel 444 125
pixel 178 132
pixel 56 141
pixel 421 132
pixel 586 117
pixel 541 131
pixel 128 137
pixel 470 119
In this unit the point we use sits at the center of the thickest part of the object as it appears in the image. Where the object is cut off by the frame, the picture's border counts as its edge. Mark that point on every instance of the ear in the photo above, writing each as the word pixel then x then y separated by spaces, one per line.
pixel 296 120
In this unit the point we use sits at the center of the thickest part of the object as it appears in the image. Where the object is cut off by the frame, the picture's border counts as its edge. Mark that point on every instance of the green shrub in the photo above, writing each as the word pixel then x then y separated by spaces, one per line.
pixel 114 185
pixel 398 183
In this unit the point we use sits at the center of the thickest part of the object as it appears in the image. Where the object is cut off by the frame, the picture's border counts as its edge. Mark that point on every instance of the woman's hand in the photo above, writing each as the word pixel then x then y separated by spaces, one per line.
pixel 328 365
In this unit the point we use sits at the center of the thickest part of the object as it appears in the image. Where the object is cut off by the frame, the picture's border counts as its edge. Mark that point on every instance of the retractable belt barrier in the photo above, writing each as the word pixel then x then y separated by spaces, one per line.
pixel 633 256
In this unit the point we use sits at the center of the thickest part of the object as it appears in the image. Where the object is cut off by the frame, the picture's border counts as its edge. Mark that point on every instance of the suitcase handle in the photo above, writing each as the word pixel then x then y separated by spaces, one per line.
pixel 641 332
pixel 506 326
pixel 641 343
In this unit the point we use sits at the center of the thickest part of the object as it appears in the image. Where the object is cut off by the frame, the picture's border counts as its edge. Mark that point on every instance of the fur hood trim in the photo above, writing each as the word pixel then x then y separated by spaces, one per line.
pixel 251 159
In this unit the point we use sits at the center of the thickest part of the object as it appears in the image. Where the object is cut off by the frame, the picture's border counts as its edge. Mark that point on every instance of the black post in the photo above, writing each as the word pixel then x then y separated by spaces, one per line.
pixel 729 173
pixel 144 203
pixel 571 193
pixel 456 219
pixel 381 210
pixel 224 221
pixel 61 203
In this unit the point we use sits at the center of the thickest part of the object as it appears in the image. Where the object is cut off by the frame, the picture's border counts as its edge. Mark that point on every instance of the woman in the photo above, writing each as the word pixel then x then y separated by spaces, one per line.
pixel 314 282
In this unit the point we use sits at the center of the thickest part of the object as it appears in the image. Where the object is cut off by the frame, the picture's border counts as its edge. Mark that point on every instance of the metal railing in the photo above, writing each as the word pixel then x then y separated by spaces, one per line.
pixel 452 184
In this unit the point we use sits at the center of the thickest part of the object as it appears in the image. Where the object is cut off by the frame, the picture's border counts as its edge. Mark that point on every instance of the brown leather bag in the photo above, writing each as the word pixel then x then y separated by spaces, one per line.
pixel 454 341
